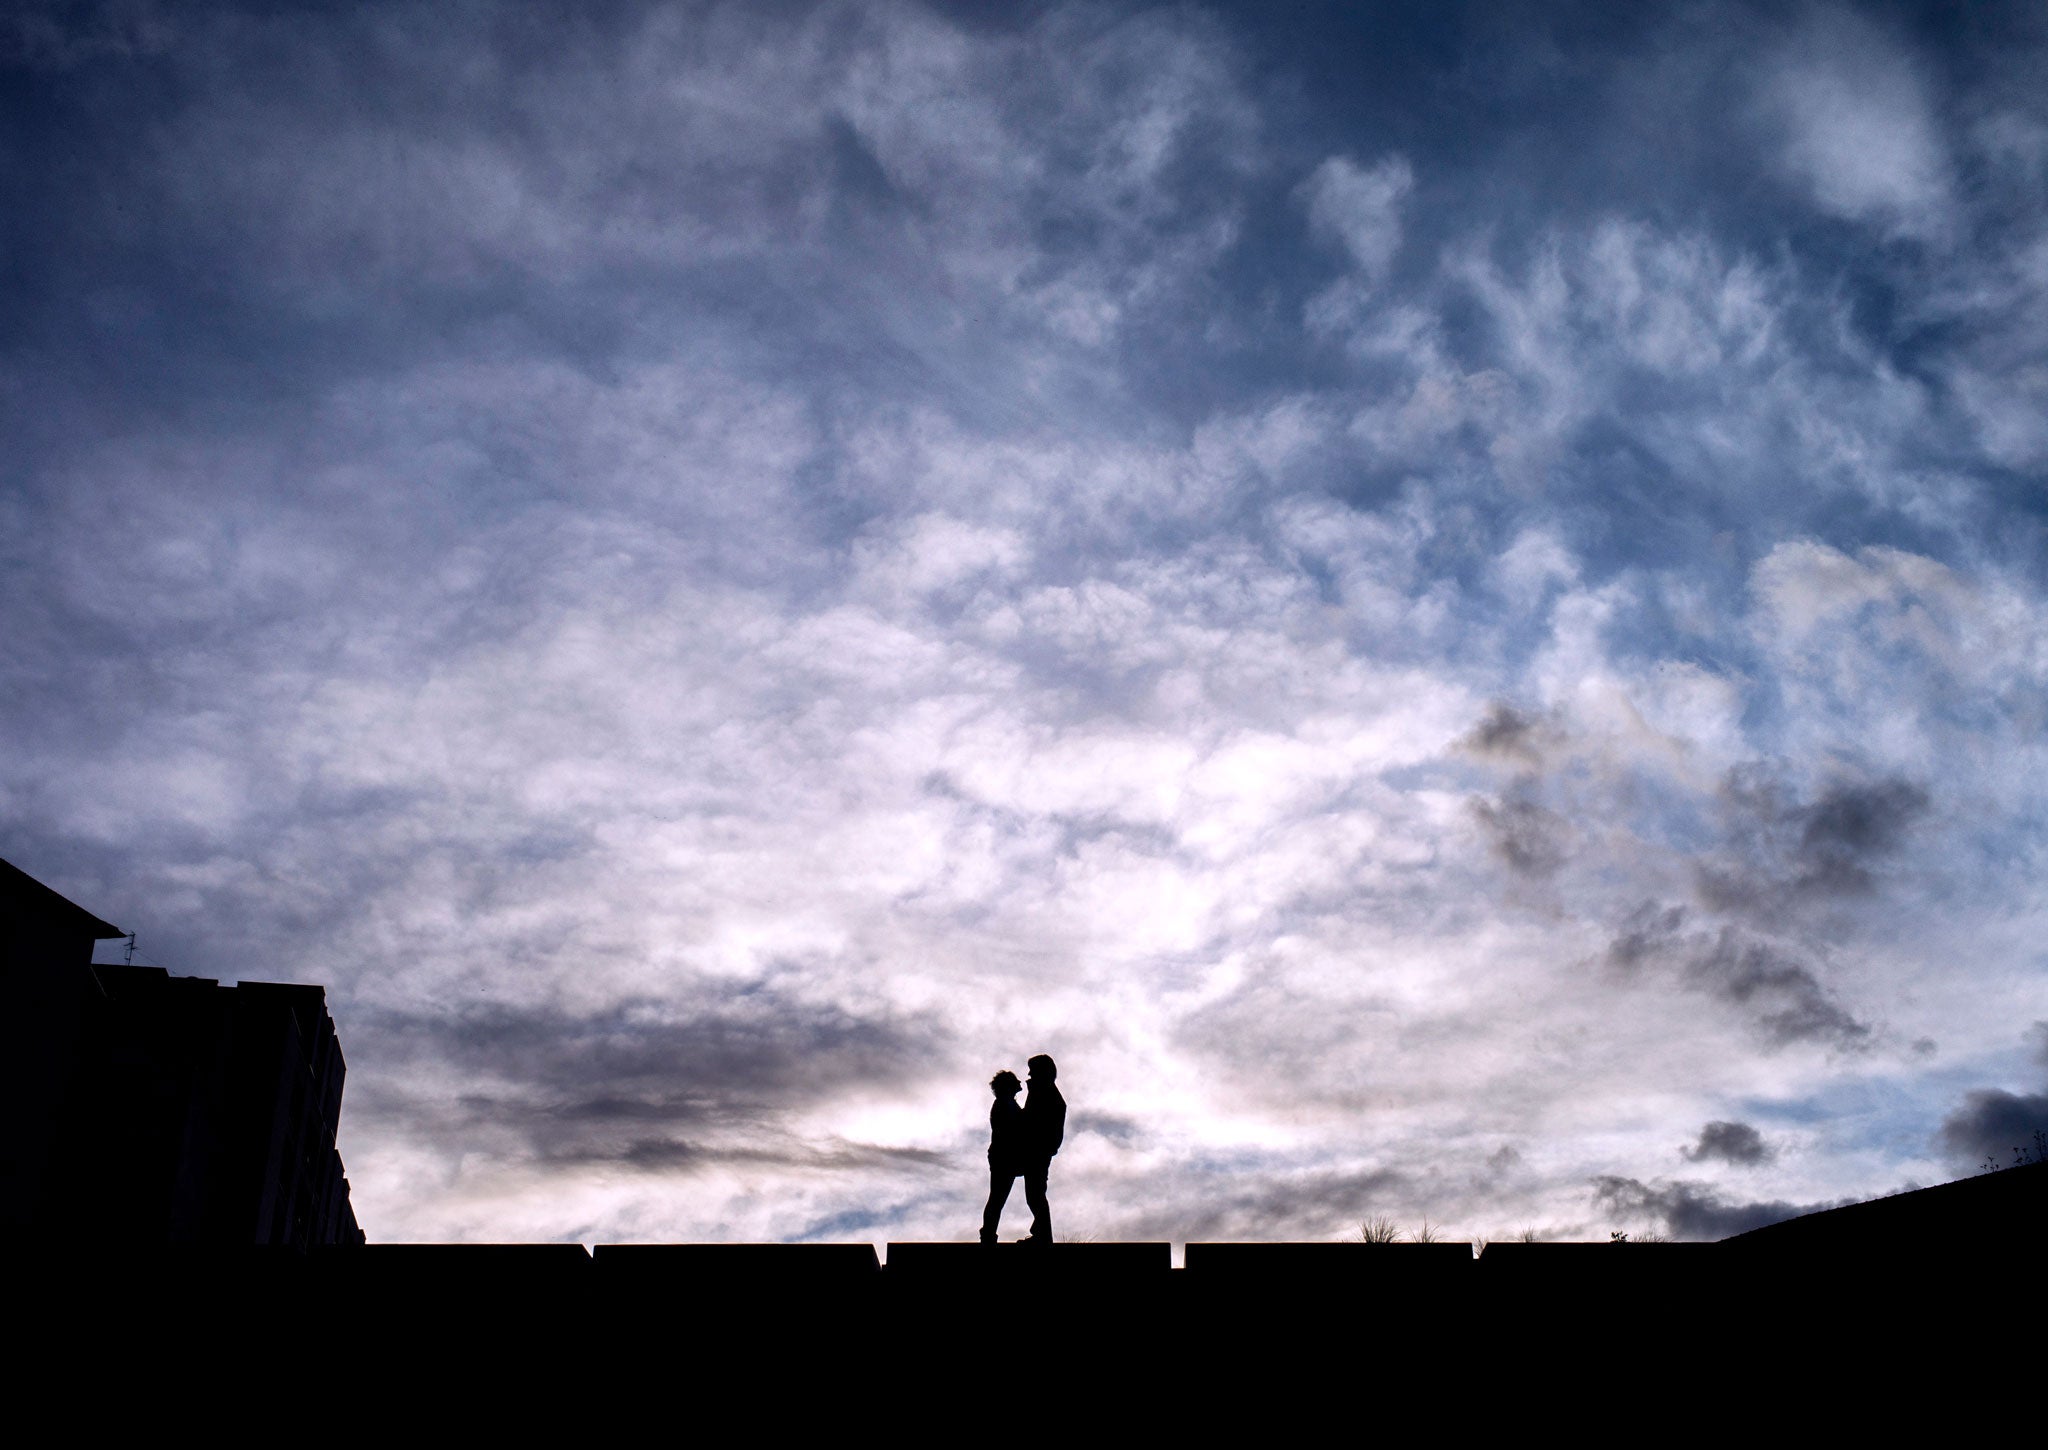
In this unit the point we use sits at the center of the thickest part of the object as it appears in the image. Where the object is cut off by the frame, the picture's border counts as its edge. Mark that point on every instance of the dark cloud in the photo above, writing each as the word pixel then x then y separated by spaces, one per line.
pixel 1689 1210
pixel 1992 1122
pixel 1851 826
pixel 1783 852
pixel 1736 1143
pixel 1120 1130
pixel 1787 851
pixel 1779 994
pixel 1507 734
pixel 643 1084
pixel 1782 996
pixel 1647 934
pixel 1531 839
pixel 1251 1205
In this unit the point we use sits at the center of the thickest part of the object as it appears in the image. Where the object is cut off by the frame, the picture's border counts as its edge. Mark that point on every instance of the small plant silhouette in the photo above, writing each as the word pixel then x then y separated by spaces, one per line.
pixel 1379 1230
pixel 1382 1230
pixel 2021 1157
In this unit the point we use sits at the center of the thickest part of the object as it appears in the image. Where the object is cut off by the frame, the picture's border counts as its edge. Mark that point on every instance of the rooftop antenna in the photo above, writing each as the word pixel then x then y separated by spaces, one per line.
pixel 129 960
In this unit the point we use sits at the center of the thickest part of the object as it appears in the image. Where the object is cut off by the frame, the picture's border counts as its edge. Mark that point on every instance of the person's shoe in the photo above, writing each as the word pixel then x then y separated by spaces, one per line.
pixel 1033 1239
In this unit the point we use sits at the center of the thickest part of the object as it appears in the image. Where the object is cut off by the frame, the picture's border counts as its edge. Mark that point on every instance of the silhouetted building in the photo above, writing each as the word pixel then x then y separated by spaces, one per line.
pixel 145 1108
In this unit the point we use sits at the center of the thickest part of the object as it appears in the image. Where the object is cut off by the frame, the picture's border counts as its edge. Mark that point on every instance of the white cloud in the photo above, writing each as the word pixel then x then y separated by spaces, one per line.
pixel 1528 567
pixel 1360 208
pixel 1860 126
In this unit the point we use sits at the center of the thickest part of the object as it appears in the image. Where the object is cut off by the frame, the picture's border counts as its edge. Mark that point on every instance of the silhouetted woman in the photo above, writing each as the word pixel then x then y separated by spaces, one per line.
pixel 1008 1154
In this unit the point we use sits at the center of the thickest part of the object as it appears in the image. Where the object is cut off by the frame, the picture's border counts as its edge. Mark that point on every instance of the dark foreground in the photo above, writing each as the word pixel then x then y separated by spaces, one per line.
pixel 1785 1329
pixel 1910 1313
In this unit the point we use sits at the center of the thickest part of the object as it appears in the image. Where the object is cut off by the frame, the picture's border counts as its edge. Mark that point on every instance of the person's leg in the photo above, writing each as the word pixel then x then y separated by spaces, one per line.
pixel 1034 1194
pixel 998 1194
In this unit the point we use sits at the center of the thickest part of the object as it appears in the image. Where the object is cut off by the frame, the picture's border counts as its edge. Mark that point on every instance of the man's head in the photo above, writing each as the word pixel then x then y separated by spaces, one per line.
pixel 1042 1066
pixel 1005 1085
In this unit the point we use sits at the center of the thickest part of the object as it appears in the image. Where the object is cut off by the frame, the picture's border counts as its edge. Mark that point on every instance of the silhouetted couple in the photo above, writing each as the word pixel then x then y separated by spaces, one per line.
pixel 1021 1141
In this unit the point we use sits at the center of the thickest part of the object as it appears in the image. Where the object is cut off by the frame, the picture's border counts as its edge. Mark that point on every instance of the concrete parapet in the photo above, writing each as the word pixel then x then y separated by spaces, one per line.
pixel 1511 1265
pixel 510 1280
pixel 1564 1283
pixel 1296 1265
pixel 726 1263
pixel 970 1262
pixel 495 1266
pixel 653 1289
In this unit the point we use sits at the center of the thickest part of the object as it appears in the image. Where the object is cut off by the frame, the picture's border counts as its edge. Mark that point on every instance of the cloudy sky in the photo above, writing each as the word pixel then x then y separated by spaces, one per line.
pixel 1447 603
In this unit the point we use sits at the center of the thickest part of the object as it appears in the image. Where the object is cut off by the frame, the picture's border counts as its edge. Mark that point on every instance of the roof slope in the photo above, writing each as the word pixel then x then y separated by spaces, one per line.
pixel 1989 1206
pixel 24 893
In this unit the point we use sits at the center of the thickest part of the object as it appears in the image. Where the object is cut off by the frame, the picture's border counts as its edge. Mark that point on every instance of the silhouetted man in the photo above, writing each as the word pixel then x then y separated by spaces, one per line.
pixel 1045 1125
pixel 1007 1153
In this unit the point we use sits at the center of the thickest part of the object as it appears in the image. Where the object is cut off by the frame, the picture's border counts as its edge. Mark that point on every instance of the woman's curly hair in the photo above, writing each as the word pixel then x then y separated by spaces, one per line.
pixel 1006 1082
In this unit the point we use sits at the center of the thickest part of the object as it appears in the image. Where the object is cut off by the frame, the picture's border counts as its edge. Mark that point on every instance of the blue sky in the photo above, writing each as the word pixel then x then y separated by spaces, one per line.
pixel 1446 603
